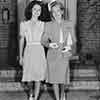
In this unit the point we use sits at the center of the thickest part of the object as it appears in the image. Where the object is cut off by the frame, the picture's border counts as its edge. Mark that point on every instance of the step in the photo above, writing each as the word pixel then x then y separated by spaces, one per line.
pixel 76 74
pixel 76 85
pixel 10 75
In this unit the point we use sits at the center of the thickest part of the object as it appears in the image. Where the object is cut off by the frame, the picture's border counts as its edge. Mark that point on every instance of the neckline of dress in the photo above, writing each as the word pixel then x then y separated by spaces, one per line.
pixel 34 23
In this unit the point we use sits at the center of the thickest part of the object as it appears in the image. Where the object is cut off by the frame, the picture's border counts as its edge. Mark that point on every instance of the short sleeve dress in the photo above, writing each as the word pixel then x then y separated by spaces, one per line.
pixel 34 66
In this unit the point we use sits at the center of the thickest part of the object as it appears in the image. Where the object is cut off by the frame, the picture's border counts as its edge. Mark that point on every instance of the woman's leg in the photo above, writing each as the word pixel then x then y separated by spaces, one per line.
pixel 56 91
pixel 25 87
pixel 30 86
pixel 37 89
pixel 29 89
pixel 62 92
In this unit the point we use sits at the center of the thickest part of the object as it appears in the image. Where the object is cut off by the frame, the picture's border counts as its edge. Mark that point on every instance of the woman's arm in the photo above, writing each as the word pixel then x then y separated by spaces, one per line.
pixel 74 40
pixel 68 49
pixel 67 46
pixel 45 38
pixel 21 46
pixel 21 39
pixel 72 37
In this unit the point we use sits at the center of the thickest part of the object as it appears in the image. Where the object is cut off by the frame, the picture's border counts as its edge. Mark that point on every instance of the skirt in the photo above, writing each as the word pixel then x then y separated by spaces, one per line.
pixel 34 67
pixel 58 71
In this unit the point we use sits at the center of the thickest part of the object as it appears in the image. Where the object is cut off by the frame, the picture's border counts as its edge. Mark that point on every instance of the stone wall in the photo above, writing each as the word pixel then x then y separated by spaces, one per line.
pixel 89 27
pixel 8 31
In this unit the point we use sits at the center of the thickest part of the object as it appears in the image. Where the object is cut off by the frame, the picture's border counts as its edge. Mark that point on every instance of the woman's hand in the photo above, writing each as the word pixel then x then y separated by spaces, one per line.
pixel 21 61
pixel 66 49
pixel 67 52
pixel 53 45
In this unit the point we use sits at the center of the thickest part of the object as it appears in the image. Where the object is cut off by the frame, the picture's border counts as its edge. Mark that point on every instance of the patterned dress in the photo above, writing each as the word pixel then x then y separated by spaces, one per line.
pixel 34 66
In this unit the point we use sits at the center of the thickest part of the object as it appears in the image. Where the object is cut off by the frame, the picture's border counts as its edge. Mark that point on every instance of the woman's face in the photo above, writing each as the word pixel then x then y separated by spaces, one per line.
pixel 36 11
pixel 57 12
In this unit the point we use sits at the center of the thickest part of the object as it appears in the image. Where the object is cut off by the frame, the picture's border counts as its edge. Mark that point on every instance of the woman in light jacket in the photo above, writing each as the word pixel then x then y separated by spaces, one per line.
pixel 59 38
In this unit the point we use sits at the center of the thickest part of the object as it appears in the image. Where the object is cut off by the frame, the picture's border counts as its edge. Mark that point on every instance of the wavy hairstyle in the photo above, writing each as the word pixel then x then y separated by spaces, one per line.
pixel 28 9
pixel 54 4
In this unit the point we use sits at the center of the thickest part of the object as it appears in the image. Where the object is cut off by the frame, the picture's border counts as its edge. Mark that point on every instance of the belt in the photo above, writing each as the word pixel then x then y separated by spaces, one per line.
pixel 34 43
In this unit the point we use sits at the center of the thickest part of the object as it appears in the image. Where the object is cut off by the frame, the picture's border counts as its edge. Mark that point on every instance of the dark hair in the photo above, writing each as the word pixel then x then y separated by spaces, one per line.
pixel 60 5
pixel 28 9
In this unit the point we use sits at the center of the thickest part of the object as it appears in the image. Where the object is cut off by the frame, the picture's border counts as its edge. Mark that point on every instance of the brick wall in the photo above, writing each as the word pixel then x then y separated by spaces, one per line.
pixel 8 31
pixel 89 26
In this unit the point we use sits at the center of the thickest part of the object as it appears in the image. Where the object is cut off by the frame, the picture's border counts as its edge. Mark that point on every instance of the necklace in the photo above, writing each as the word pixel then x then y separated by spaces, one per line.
pixel 34 21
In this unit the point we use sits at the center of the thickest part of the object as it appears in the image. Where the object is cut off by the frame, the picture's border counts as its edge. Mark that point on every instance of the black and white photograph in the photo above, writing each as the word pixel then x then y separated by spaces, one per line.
pixel 49 49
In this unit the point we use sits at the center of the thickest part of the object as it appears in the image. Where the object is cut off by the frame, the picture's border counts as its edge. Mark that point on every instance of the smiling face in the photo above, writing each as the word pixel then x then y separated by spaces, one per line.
pixel 57 12
pixel 36 11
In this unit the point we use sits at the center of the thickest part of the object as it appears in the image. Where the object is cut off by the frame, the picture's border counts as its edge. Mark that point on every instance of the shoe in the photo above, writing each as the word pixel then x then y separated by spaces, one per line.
pixel 64 98
pixel 31 98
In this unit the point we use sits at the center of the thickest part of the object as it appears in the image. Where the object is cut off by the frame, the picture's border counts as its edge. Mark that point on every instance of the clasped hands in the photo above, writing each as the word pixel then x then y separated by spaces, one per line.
pixel 53 45
pixel 56 46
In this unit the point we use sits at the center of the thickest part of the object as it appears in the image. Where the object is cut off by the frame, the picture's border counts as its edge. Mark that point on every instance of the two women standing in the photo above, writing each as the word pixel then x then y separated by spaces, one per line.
pixel 57 36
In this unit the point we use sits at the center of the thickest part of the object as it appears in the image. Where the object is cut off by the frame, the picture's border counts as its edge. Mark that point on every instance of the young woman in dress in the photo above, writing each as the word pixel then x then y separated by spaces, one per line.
pixel 33 60
pixel 59 38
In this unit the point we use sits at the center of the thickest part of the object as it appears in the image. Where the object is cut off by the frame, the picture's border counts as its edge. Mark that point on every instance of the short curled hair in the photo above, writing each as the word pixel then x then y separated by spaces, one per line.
pixel 28 9
pixel 55 3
